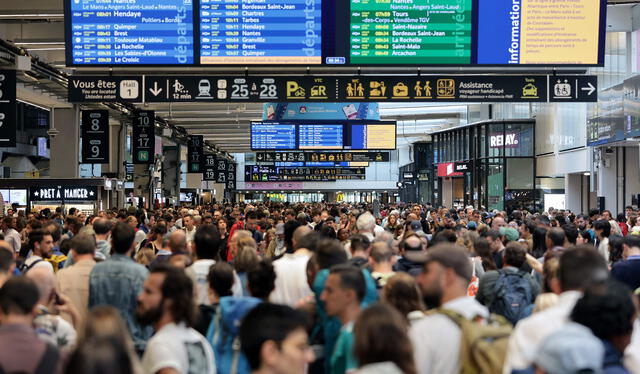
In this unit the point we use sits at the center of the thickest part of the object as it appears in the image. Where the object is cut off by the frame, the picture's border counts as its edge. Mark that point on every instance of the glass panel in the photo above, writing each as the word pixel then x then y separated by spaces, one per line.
pixel 495 187
pixel 519 173
pixel 518 140
pixel 496 139
pixel 483 141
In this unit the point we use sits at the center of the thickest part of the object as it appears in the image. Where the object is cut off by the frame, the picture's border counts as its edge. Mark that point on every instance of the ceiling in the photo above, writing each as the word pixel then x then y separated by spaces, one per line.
pixel 38 27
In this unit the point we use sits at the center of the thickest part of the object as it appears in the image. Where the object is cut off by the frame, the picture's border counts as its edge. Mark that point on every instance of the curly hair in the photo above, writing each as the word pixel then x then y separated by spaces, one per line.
pixel 178 288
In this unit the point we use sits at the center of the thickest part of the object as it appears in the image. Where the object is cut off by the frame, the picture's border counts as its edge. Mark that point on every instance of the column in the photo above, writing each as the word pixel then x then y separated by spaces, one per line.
pixel 572 192
pixel 607 179
pixel 65 146
pixel 171 172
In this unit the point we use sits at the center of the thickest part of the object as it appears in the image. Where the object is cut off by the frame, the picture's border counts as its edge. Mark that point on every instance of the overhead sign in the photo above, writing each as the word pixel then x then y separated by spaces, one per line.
pixel 209 168
pixel 463 167
pixel 95 136
pixel 58 193
pixel 143 137
pixel 195 144
pixel 231 176
pixel 343 89
pixel 95 89
pixel 573 88
pixel 222 165
pixel 447 169
pixel 8 116
pixel 354 156
pixel 260 173
pixel 305 111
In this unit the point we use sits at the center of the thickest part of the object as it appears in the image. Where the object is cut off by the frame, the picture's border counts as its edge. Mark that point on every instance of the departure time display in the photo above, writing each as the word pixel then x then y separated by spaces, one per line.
pixel 335 32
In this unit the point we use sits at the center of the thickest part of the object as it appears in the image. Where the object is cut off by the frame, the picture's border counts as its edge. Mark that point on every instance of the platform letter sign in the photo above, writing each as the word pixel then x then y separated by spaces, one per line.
pixel 209 171
pixel 7 108
pixel 95 136
pixel 143 137
pixel 194 153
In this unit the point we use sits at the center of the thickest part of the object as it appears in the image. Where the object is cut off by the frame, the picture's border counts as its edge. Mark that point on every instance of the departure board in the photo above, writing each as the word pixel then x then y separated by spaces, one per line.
pixel 373 136
pixel 136 32
pixel 260 32
pixel 320 136
pixel 411 32
pixel 273 136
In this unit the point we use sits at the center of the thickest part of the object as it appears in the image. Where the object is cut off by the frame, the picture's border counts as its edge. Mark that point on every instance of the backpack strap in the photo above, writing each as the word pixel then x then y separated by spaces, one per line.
pixel 48 361
pixel 236 355
pixel 27 268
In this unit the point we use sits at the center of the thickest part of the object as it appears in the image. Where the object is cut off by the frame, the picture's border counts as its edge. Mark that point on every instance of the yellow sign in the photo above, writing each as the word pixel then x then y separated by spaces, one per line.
pixel 423 90
pixel 318 92
pixel 294 91
pixel 530 90
pixel 355 90
pixel 446 88
pixel 400 90
pixel 378 89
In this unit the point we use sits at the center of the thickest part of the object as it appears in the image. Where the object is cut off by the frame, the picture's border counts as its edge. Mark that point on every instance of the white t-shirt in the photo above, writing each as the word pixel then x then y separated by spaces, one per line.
pixel 41 264
pixel 198 273
pixel 291 279
pixel 181 348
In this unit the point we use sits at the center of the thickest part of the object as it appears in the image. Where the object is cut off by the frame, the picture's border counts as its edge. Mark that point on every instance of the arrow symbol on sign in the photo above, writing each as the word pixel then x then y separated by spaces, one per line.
pixel 155 90
pixel 589 88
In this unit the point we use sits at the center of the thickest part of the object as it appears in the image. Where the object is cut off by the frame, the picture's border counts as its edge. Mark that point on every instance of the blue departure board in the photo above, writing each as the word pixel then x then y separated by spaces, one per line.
pixel 273 136
pixel 258 32
pixel 320 136
pixel 131 32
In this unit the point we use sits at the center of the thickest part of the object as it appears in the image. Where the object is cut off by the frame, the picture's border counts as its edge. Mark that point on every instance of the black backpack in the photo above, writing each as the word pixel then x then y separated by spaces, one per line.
pixel 513 296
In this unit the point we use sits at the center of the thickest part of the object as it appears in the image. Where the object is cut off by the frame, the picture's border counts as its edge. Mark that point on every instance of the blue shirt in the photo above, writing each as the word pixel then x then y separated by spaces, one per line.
pixel 628 272
pixel 117 282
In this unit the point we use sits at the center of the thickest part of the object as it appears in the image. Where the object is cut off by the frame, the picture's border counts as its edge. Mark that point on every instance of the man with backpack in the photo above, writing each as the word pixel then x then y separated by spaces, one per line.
pixel 444 341
pixel 509 292
pixel 41 245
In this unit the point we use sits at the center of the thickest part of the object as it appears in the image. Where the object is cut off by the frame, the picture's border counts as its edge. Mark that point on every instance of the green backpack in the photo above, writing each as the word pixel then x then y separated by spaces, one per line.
pixel 483 347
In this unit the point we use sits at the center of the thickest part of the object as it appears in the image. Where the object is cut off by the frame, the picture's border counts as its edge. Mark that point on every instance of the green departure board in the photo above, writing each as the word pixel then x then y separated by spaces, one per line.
pixel 410 31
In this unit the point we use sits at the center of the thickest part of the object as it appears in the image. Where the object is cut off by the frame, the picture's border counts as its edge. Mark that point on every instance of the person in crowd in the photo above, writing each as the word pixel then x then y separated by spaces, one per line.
pixel 410 247
pixel 555 240
pixel 628 270
pixel 402 292
pixel 291 285
pixel 602 229
pixel 343 292
pixel 609 311
pixel 261 280
pixel 11 236
pixel 73 281
pixel 7 262
pixel 41 245
pixel 366 224
pixel 167 304
pixel 579 267
pixel 483 250
pixel 499 290
pixel 189 227
pixel 274 340
pixel 220 279
pixel 118 280
pixel 157 237
pixel 22 350
pixel 443 282
pixel 102 229
pixel 615 249
pixel 360 247
pixel 381 263
pixel 381 343
pixel 494 237
pixel 584 237
pixel 206 243
pixel 526 229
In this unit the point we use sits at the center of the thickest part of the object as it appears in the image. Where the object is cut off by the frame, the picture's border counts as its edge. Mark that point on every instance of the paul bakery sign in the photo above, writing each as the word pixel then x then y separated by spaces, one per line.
pixel 59 193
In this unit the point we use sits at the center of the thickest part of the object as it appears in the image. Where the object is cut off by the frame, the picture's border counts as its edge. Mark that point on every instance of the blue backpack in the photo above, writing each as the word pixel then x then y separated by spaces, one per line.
pixel 513 296
pixel 223 334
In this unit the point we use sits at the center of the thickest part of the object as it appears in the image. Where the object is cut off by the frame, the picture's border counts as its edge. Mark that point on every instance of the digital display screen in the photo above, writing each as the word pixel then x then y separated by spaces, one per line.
pixel 273 136
pixel 130 32
pixel 372 136
pixel 335 32
pixel 250 32
pixel 321 136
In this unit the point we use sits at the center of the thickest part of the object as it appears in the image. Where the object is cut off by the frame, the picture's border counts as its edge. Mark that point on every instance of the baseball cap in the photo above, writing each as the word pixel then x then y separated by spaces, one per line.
pixel 415 226
pixel 510 233
pixel 280 229
pixel 472 225
pixel 572 349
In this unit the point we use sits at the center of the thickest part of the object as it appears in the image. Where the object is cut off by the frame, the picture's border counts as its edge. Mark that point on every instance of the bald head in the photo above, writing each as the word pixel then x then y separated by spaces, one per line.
pixel 178 242
pixel 298 234
pixel 497 223
pixel 45 280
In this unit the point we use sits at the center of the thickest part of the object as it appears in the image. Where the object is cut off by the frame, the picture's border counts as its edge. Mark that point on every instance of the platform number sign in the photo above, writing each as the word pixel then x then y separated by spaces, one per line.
pixel 195 145
pixel 221 170
pixel 143 137
pixel 231 176
pixel 209 171
pixel 95 136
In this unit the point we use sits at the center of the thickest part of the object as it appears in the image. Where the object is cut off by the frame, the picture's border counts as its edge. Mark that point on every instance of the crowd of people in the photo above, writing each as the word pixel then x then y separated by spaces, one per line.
pixel 319 288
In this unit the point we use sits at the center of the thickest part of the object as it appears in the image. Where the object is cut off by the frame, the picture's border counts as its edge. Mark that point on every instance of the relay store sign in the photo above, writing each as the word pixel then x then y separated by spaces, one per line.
pixel 448 169
pixel 508 140
pixel 463 167
pixel 59 193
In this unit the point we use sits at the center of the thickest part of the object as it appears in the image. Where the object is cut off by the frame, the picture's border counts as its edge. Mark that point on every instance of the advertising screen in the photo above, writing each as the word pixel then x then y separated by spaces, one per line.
pixel 273 136
pixel 335 32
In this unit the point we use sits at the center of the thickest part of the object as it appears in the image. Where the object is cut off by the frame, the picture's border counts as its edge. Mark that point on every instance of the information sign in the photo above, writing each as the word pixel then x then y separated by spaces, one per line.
pixel 95 136
pixel 143 137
